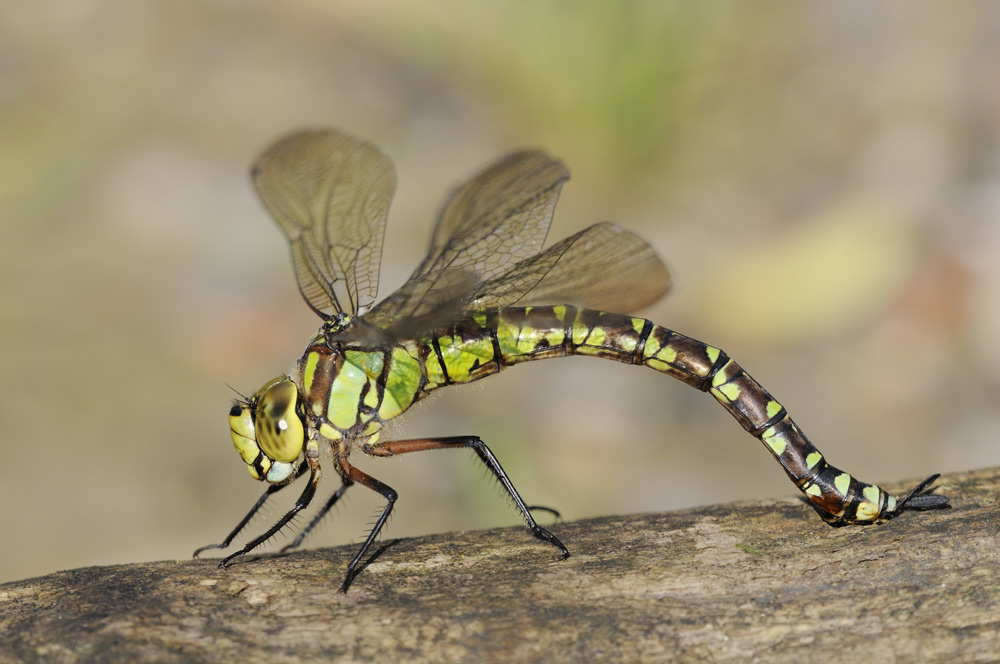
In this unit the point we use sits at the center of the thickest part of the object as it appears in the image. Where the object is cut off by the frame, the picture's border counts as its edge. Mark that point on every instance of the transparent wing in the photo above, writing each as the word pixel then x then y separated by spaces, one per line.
pixel 602 267
pixel 330 194
pixel 488 224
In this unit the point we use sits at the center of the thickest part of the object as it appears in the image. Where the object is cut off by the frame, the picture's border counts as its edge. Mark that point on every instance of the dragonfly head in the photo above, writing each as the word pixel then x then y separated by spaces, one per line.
pixel 269 430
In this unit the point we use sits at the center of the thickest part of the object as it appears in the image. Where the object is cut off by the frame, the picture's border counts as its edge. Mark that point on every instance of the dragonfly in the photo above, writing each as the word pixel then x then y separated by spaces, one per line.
pixel 485 297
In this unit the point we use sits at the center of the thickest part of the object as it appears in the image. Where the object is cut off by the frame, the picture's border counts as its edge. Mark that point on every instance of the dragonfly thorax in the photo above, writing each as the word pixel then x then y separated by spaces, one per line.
pixel 269 431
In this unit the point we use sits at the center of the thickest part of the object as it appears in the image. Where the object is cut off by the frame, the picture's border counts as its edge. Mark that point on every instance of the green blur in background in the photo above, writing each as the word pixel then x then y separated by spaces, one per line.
pixel 823 180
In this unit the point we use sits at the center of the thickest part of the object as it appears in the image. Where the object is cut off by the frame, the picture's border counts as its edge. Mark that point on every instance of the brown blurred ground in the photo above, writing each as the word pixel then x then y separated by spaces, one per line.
pixel 823 180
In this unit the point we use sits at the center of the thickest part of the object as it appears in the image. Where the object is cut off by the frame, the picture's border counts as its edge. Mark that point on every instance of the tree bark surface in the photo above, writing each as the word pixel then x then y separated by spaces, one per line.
pixel 753 581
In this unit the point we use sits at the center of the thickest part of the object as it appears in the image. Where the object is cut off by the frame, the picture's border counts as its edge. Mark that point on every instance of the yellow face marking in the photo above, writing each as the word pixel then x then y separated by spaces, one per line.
pixel 310 373
pixel 842 482
pixel 241 430
pixel 773 408
pixel 279 472
pixel 813 459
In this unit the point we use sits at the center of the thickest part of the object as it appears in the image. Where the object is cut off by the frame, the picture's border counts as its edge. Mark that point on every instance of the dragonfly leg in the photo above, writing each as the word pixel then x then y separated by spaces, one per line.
pixel 542 508
pixel 300 504
pixel 486 455
pixel 316 519
pixel 271 490
pixel 351 475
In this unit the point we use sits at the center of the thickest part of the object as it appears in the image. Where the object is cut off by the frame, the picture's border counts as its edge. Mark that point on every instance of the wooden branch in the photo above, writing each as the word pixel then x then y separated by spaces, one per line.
pixel 763 581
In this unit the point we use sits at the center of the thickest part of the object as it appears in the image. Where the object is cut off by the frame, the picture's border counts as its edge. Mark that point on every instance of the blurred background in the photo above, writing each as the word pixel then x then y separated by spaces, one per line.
pixel 823 179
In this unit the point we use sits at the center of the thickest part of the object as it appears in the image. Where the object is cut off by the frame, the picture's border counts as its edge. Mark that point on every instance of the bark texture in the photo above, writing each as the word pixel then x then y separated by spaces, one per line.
pixel 754 581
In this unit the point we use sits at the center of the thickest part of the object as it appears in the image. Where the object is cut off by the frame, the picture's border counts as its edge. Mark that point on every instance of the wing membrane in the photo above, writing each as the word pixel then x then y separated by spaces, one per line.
pixel 602 267
pixel 488 224
pixel 330 194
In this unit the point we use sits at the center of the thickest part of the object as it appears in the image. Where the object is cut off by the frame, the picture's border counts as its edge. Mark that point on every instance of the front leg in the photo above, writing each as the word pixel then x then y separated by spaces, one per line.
pixel 271 490
pixel 315 474
pixel 316 519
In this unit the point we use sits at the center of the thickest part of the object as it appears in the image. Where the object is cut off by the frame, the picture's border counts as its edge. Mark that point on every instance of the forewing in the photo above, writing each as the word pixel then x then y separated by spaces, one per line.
pixel 602 267
pixel 330 194
pixel 488 224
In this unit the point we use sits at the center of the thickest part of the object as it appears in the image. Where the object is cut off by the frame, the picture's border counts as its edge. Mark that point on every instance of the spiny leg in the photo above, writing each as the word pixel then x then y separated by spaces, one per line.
pixel 351 475
pixel 316 519
pixel 300 504
pixel 486 455
pixel 271 490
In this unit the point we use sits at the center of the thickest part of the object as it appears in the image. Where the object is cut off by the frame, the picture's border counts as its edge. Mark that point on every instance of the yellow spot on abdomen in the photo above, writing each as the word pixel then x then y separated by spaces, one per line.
pixel 872 494
pixel 730 390
pixel 843 483
pixel 776 443
pixel 596 337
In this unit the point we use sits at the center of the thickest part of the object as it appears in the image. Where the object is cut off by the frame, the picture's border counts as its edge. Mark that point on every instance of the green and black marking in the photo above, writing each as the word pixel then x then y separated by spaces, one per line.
pixel 455 321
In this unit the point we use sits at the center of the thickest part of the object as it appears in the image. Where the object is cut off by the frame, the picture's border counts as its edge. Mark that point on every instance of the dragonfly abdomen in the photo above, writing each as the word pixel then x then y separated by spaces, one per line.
pixel 530 333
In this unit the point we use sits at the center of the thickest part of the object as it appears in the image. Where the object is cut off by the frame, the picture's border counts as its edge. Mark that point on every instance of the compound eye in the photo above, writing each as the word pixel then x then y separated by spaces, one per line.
pixel 281 433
